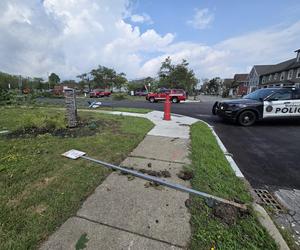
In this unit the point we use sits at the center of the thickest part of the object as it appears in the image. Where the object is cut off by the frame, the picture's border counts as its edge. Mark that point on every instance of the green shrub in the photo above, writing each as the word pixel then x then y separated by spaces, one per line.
pixel 6 97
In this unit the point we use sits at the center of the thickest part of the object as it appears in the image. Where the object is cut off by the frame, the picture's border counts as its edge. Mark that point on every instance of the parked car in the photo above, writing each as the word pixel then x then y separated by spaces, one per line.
pixel 176 95
pixel 261 104
pixel 99 93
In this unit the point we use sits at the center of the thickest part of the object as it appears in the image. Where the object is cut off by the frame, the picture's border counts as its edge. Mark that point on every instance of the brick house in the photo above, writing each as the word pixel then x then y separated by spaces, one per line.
pixel 240 83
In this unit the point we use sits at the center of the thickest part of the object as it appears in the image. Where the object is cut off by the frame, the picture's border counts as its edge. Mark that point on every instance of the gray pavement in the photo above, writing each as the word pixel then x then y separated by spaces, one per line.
pixel 290 220
pixel 130 213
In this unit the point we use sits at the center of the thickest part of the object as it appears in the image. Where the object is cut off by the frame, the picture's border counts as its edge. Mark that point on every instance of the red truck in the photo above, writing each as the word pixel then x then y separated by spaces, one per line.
pixel 176 95
pixel 99 93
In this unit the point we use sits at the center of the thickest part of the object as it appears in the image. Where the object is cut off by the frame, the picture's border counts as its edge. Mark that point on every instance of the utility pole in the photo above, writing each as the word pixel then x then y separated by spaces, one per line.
pixel 20 84
pixel 48 74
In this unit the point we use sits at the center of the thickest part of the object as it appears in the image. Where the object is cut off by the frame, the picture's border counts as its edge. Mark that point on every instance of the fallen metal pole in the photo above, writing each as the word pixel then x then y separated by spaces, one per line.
pixel 165 183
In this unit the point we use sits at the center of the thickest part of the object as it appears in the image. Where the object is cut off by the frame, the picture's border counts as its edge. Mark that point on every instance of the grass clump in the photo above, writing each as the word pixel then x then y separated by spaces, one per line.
pixel 212 174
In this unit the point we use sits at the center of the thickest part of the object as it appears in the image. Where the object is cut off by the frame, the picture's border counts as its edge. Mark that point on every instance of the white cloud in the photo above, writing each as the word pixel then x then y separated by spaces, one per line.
pixel 202 19
pixel 71 37
pixel 234 55
pixel 144 18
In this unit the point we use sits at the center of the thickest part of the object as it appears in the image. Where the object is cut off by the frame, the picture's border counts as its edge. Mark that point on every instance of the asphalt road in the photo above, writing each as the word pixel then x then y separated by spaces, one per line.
pixel 267 153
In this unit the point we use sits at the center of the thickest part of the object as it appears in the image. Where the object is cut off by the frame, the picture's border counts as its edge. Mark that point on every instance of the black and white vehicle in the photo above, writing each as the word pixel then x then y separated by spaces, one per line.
pixel 261 104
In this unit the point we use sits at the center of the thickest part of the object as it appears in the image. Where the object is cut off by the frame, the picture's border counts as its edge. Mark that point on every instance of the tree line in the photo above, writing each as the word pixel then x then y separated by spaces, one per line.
pixel 170 75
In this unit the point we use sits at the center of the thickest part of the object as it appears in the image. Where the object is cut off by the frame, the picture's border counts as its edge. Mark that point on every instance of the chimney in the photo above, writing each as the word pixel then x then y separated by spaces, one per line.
pixel 298 55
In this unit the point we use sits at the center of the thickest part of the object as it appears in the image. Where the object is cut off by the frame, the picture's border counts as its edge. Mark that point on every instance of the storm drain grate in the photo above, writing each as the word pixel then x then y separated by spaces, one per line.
pixel 268 199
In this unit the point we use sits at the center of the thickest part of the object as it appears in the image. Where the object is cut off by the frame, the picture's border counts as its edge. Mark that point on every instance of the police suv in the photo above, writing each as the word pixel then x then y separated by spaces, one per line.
pixel 261 104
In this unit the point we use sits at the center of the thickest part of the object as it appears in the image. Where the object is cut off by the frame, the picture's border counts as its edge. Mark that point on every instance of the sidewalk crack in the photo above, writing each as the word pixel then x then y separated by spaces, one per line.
pixel 128 231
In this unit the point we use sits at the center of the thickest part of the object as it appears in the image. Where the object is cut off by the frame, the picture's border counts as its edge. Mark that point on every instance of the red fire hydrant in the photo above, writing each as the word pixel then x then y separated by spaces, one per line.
pixel 167 110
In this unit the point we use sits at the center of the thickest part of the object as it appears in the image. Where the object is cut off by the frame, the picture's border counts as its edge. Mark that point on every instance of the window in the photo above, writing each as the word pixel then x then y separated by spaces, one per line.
pixel 282 95
pixel 290 74
pixel 298 73
pixel 259 94
pixel 270 77
pixel 263 79
pixel 282 75
pixel 276 76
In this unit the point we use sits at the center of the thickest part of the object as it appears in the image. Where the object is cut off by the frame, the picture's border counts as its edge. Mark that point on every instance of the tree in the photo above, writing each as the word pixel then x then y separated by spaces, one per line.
pixel 85 80
pixel 104 77
pixel 53 79
pixel 212 86
pixel 177 76
pixel 37 83
pixel 120 80
pixel 7 80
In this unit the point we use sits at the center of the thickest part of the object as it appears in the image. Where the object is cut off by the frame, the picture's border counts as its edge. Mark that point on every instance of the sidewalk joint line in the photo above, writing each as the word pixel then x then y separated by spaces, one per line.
pixel 127 231
pixel 154 159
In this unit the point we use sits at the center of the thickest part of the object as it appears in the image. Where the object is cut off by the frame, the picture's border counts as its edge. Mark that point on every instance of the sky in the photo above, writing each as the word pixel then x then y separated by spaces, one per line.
pixel 217 37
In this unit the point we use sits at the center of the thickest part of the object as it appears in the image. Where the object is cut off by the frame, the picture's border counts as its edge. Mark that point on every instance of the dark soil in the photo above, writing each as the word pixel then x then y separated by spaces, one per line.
pixel 84 128
pixel 226 213
pixel 162 173
pixel 185 175
pixel 154 185
pixel 229 214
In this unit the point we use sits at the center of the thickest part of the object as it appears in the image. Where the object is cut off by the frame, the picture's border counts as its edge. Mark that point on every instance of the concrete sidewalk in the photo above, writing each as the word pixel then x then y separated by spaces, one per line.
pixel 130 213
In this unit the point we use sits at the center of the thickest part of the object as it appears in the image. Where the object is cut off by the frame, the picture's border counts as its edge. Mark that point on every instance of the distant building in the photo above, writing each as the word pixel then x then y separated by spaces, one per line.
pixel 254 75
pixel 227 86
pixel 283 74
pixel 240 83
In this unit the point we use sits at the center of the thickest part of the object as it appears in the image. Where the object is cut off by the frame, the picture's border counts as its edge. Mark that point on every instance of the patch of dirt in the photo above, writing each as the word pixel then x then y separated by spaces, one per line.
pixel 188 203
pixel 26 192
pixel 40 209
pixel 162 173
pixel 185 175
pixel 84 128
pixel 229 214
pixel 154 185
pixel 226 213
pixel 130 177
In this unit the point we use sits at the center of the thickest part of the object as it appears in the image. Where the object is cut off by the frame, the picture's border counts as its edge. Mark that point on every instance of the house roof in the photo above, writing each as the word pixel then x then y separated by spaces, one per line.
pixel 262 69
pixel 240 77
pixel 283 66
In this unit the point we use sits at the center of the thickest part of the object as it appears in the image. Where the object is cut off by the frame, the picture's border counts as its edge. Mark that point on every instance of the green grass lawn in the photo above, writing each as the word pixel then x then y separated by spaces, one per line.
pixel 40 189
pixel 212 174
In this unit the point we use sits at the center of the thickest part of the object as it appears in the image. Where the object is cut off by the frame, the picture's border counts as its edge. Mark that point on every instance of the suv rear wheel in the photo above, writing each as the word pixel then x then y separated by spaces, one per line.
pixel 247 118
